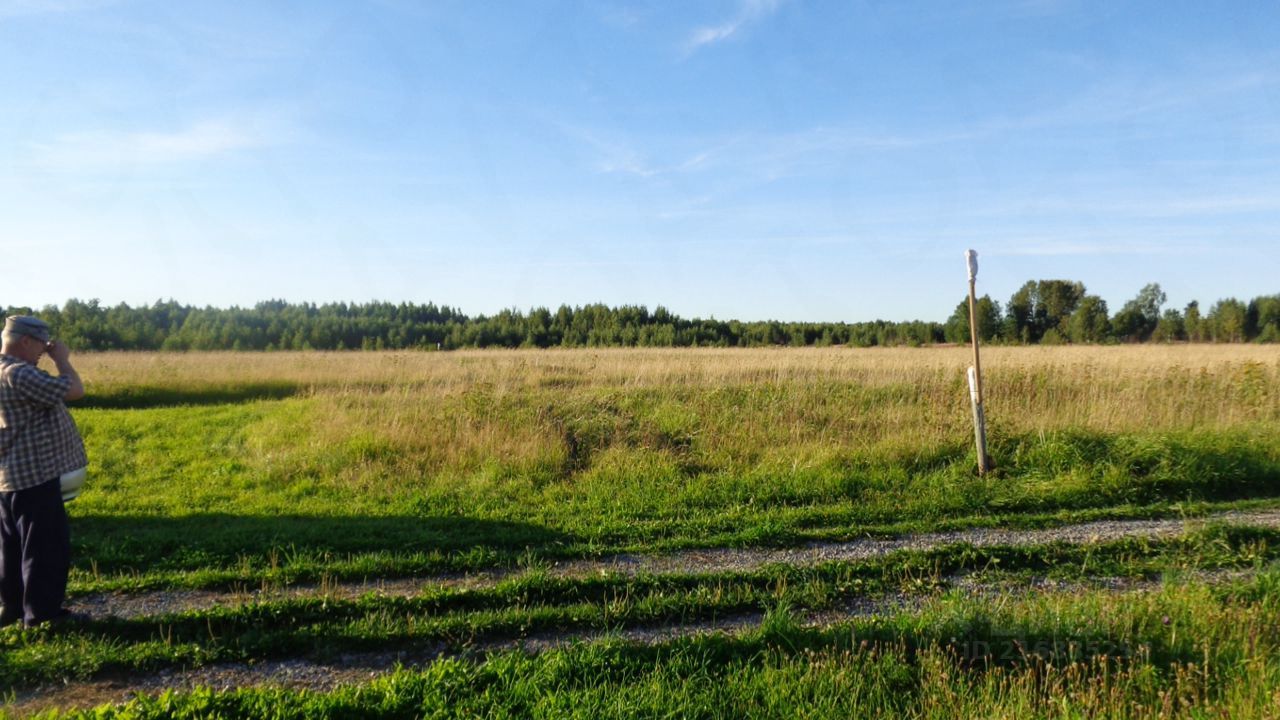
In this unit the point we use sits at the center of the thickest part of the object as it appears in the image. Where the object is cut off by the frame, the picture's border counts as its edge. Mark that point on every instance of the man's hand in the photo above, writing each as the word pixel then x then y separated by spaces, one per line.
pixel 58 351
pixel 61 356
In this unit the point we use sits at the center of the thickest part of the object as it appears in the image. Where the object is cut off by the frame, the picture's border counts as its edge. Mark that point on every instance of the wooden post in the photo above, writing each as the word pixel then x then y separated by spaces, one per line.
pixel 975 372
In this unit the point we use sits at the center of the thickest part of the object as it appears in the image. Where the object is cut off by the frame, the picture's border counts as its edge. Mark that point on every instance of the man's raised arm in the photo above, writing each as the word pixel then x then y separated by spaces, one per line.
pixel 61 355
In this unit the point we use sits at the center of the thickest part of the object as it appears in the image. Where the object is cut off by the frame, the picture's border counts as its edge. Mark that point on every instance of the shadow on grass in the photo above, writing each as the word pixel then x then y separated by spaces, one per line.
pixel 1094 470
pixel 387 546
pixel 140 397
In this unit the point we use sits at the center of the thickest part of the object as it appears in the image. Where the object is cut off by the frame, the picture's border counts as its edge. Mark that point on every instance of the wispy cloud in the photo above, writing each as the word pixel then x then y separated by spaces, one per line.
pixel 769 155
pixel 1123 97
pixel 1186 204
pixel 20 8
pixel 97 150
pixel 611 154
pixel 1115 103
pixel 624 17
pixel 619 157
pixel 749 11
pixel 1052 247
pixel 783 154
pixel 1041 7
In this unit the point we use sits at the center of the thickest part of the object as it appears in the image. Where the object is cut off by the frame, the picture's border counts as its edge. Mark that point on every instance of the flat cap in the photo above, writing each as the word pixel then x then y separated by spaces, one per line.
pixel 27 325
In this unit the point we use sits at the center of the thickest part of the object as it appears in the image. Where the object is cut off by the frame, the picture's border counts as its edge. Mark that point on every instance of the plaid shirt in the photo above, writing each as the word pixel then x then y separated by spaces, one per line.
pixel 38 438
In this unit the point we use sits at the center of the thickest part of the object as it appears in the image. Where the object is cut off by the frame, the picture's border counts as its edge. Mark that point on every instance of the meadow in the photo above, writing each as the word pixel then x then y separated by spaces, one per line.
pixel 241 471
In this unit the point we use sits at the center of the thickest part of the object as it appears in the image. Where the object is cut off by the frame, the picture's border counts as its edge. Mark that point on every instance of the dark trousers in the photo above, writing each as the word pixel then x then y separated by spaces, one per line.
pixel 35 552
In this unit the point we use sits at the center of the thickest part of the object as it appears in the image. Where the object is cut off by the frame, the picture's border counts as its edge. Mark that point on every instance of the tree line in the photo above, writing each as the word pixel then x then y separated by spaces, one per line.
pixel 1061 311
pixel 1043 311
pixel 279 325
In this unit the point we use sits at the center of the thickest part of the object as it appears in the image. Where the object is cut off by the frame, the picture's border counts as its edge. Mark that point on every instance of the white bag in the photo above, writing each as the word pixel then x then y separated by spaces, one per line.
pixel 72 483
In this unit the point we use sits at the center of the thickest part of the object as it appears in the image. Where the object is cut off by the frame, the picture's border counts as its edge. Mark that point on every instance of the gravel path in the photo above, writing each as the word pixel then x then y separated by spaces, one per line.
pixel 302 674
pixel 134 605
pixel 299 673
pixel 728 560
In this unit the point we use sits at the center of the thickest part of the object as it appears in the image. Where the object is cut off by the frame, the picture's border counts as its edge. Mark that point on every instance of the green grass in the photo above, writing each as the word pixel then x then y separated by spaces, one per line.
pixel 1188 650
pixel 315 468
pixel 219 495
pixel 322 627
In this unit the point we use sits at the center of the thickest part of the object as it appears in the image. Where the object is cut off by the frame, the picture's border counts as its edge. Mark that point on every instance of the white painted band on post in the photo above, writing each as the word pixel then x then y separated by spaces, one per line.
pixel 971 259
pixel 973 385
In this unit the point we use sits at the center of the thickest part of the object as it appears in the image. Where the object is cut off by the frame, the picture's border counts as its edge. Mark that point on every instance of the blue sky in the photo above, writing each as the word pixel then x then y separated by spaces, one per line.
pixel 746 159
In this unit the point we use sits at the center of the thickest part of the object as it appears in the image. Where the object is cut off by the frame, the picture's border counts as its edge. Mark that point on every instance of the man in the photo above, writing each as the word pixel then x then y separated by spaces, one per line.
pixel 38 443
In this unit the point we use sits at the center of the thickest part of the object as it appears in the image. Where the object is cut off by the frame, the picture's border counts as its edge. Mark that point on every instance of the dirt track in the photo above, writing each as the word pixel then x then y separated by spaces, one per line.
pixel 301 673
pixel 130 605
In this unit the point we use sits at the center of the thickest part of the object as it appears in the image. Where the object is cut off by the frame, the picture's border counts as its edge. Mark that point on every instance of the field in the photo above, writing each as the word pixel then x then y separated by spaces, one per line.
pixel 691 533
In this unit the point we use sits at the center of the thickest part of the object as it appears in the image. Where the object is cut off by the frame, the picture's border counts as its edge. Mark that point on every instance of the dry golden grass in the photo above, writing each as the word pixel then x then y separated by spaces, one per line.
pixel 653 367
pixel 521 411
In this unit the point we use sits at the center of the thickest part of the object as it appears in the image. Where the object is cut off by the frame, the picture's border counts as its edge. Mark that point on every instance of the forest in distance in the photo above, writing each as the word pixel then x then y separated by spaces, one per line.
pixel 1040 312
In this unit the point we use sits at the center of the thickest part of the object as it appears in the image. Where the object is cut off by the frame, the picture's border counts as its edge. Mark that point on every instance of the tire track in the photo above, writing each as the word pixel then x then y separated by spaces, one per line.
pixel 358 668
pixel 716 560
